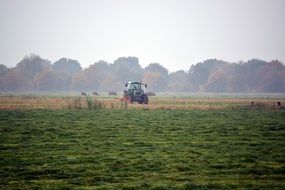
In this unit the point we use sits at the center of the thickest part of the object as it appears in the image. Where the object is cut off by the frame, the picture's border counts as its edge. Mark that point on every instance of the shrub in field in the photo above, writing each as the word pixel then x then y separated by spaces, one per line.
pixel 112 105
pixel 75 103
pixel 97 105
pixel 89 103
pixel 93 104
pixel 124 105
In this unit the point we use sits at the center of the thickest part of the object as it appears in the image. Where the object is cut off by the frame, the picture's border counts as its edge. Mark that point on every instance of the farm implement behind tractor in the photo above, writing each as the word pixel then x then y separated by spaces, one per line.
pixel 135 93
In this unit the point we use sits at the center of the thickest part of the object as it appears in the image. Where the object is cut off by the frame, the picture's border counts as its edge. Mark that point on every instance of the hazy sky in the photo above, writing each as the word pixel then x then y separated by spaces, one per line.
pixel 174 33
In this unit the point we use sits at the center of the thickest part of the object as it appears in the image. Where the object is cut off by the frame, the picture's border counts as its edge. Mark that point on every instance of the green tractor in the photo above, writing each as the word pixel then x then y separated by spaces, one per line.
pixel 135 93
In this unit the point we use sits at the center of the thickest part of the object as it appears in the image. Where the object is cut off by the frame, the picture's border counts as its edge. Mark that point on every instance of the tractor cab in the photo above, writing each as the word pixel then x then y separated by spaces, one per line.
pixel 135 87
pixel 135 93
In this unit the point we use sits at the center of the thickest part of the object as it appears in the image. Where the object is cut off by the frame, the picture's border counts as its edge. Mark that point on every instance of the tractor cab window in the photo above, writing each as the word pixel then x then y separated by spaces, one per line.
pixel 134 86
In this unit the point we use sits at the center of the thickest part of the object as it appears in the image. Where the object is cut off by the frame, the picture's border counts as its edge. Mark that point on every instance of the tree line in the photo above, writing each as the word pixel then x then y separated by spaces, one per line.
pixel 35 74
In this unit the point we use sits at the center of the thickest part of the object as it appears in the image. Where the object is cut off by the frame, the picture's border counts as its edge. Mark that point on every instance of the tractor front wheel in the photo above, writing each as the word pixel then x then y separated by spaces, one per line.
pixel 145 100
pixel 131 99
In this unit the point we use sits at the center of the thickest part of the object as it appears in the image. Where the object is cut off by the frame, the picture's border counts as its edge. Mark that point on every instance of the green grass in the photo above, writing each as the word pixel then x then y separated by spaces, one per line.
pixel 142 149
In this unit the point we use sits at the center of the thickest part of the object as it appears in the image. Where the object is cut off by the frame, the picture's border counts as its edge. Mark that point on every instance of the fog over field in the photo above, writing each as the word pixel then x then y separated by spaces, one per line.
pixel 174 46
pixel 174 33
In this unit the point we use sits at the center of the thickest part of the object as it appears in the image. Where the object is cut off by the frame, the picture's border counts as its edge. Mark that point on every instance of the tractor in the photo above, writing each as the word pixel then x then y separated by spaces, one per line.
pixel 135 93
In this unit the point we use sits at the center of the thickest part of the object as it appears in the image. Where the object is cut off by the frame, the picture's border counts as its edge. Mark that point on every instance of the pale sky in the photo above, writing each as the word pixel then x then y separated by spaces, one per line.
pixel 174 33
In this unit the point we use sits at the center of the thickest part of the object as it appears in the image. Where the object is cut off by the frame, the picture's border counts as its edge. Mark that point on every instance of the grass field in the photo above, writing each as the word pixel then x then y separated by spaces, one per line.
pixel 231 147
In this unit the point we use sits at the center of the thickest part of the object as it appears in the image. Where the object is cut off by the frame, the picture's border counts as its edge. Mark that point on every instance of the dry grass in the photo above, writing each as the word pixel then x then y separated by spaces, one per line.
pixel 95 103
pixel 25 102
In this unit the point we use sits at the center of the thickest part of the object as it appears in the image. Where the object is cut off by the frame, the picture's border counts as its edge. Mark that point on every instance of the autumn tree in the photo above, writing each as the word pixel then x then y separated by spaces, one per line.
pixel 156 76
pixel 60 76
pixel 155 81
pixel 67 66
pixel 217 81
pixel 91 78
pixel 199 73
pixel 50 81
pixel 12 81
pixel 3 70
pixel 79 83
pixel 127 69
pixel 177 81
pixel 21 78
pixel 272 77
pixel 111 83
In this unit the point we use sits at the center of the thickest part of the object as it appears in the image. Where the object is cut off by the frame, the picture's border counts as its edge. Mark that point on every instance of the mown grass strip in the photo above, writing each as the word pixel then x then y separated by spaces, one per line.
pixel 142 149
